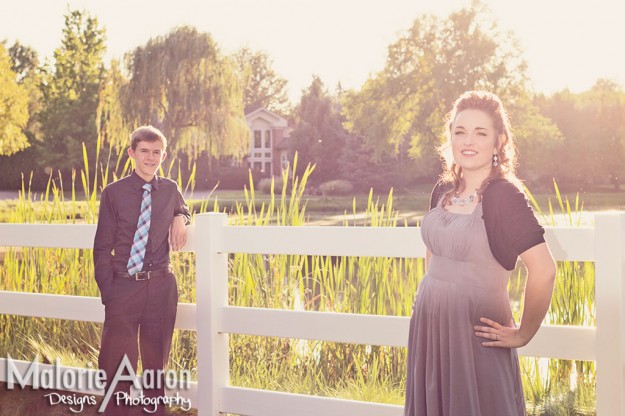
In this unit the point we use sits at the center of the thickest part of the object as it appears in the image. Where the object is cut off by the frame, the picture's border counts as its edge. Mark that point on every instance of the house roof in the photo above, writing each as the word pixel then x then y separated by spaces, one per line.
pixel 269 116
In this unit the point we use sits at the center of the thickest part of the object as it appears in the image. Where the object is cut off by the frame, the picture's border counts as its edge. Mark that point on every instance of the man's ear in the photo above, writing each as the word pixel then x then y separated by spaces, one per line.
pixel 131 153
pixel 163 155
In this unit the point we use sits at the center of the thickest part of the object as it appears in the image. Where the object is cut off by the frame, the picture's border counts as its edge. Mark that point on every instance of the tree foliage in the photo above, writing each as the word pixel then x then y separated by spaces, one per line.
pixel 13 108
pixel 181 84
pixel 25 63
pixel 318 136
pixel 262 86
pixel 401 109
pixel 111 123
pixel 24 60
pixel 70 92
pixel 594 132
pixel 537 138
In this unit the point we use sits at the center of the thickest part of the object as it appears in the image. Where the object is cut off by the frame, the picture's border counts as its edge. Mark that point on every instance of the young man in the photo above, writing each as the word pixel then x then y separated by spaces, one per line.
pixel 141 217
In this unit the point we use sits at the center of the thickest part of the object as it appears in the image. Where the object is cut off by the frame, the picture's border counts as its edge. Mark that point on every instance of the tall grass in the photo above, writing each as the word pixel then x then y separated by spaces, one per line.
pixel 564 386
pixel 365 285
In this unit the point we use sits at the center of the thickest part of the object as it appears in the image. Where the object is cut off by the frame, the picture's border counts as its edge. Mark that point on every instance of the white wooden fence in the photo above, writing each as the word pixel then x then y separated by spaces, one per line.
pixel 212 239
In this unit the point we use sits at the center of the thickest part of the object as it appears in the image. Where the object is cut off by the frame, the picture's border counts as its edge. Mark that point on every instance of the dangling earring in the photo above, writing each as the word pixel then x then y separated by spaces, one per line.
pixel 495 161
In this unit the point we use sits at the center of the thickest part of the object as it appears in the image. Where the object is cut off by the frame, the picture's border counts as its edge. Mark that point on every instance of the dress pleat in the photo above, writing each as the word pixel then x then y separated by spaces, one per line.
pixel 450 372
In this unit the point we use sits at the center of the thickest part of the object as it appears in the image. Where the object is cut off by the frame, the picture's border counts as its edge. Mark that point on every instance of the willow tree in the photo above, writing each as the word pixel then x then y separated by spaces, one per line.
pixel 181 84
pixel 111 123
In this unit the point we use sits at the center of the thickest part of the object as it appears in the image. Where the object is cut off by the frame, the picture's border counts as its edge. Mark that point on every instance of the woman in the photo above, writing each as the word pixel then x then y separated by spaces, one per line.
pixel 462 357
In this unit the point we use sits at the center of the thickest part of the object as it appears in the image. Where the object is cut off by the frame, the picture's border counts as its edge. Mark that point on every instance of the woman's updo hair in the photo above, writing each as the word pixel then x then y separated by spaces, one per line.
pixel 506 153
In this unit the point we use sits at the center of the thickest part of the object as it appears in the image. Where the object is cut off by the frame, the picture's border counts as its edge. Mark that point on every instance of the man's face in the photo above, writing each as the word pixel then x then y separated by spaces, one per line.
pixel 148 157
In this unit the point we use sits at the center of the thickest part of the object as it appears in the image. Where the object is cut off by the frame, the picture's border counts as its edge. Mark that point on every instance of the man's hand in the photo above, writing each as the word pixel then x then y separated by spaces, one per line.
pixel 177 233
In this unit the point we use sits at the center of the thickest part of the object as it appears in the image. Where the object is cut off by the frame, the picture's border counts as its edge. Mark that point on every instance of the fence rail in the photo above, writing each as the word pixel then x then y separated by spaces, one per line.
pixel 212 239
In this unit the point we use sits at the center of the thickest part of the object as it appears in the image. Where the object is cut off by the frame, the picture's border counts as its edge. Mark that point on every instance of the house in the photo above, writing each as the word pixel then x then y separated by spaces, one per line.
pixel 269 135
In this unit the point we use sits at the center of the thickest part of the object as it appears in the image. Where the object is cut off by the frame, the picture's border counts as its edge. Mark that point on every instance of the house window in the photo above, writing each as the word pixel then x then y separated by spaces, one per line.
pixel 267 154
pixel 267 167
pixel 268 139
pixel 258 155
pixel 257 139
pixel 258 165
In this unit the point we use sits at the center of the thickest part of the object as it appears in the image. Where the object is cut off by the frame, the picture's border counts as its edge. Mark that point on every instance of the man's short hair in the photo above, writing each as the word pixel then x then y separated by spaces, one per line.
pixel 148 134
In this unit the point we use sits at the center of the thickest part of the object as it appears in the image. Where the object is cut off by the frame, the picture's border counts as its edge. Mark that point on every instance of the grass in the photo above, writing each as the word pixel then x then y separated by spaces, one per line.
pixel 318 283
pixel 332 210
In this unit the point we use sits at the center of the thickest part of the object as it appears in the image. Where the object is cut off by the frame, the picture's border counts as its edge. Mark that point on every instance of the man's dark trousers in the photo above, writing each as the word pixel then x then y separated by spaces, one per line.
pixel 144 309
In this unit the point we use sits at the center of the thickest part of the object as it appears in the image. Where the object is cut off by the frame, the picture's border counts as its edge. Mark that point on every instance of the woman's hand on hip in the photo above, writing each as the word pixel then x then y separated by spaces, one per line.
pixel 498 335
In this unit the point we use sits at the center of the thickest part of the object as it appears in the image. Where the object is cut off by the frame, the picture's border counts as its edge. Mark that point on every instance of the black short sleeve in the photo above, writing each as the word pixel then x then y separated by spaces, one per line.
pixel 510 223
pixel 437 193
pixel 520 225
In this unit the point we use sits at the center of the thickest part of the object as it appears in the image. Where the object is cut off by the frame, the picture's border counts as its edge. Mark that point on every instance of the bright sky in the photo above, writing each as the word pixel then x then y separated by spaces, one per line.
pixel 567 43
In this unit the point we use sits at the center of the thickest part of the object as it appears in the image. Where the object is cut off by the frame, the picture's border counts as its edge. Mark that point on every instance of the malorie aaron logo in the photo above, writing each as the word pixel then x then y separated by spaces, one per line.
pixel 82 379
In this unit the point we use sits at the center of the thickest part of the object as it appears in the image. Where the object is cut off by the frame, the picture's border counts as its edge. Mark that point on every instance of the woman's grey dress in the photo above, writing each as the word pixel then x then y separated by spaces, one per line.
pixel 449 372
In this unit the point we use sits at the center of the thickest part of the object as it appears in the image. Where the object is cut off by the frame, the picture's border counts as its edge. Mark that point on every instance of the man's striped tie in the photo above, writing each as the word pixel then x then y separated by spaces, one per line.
pixel 137 251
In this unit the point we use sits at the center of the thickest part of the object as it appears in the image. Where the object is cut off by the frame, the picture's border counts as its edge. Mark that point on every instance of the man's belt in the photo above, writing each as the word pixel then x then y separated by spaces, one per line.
pixel 151 274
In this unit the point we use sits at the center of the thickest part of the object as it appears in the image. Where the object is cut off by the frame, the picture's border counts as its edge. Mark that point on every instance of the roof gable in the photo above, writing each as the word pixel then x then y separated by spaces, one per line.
pixel 271 118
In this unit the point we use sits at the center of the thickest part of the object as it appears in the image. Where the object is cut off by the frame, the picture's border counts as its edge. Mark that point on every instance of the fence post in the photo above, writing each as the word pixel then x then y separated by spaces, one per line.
pixel 609 300
pixel 211 282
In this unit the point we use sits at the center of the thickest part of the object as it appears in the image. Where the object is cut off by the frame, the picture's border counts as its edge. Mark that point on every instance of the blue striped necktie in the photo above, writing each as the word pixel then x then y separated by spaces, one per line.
pixel 137 251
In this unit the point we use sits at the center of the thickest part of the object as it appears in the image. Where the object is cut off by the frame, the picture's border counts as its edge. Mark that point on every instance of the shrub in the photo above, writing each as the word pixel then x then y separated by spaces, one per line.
pixel 336 187
pixel 264 185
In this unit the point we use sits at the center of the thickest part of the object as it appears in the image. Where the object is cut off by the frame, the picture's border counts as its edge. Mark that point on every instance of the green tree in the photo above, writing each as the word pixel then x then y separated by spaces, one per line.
pixel 401 109
pixel 594 133
pixel 24 60
pixel 262 86
pixel 318 136
pixel 13 108
pixel 70 93
pixel 25 63
pixel 538 140
pixel 181 84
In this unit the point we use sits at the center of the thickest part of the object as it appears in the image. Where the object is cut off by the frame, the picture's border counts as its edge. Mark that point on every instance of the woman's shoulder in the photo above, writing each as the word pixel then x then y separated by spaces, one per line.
pixel 503 195
pixel 501 187
pixel 442 187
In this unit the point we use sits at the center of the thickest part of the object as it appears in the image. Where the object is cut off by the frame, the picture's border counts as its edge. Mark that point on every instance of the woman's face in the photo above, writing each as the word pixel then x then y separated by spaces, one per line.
pixel 474 140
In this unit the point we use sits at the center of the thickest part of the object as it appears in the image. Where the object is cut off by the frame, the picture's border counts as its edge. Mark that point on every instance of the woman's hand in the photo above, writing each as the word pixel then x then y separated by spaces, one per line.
pixel 498 335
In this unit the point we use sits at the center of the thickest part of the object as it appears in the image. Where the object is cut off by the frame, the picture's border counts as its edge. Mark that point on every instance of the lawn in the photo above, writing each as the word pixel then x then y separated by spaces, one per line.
pixel 335 210
pixel 410 205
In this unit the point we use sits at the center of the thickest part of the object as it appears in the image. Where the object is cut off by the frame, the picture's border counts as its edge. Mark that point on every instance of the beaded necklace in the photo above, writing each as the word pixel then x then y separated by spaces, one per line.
pixel 463 201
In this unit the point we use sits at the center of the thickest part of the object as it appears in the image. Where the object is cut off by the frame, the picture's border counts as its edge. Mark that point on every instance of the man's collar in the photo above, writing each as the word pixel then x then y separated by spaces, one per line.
pixel 138 182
